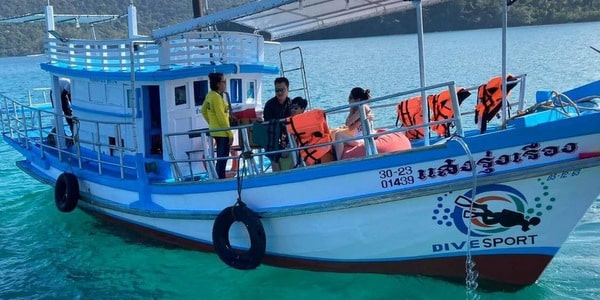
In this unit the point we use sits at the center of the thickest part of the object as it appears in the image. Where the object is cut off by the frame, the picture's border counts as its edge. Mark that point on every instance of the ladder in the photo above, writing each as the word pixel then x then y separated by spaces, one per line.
pixel 295 73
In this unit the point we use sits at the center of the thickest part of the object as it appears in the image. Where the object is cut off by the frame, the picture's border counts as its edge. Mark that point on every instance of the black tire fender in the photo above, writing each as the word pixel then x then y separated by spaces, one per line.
pixel 238 258
pixel 66 192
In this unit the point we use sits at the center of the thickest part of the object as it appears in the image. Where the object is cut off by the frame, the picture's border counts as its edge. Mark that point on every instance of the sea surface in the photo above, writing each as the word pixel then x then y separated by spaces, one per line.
pixel 45 254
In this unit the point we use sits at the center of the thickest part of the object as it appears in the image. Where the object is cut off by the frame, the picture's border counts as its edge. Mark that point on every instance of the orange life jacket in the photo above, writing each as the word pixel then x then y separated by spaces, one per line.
pixel 489 100
pixel 310 128
pixel 441 109
pixel 410 112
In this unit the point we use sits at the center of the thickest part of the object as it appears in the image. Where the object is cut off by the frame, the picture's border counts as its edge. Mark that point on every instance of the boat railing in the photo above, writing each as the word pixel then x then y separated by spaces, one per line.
pixel 44 129
pixel 43 96
pixel 189 49
pixel 205 155
pixel 521 79
pixel 386 118
pixel 385 109
pixel 184 171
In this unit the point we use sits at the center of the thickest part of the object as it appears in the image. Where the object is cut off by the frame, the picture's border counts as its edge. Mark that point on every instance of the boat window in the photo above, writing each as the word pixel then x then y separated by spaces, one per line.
pixel 114 95
pixel 80 91
pixel 128 100
pixel 97 92
pixel 180 95
pixel 200 91
pixel 250 91
pixel 235 90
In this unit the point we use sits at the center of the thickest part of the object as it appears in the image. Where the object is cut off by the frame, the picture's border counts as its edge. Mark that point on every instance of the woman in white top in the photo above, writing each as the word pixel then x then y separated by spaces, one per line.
pixel 354 126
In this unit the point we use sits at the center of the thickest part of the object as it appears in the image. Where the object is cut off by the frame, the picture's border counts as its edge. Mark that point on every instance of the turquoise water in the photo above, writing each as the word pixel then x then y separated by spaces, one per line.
pixel 45 254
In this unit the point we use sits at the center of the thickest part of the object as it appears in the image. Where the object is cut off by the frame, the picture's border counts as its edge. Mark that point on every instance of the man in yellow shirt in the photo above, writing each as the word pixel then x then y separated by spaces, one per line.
pixel 216 112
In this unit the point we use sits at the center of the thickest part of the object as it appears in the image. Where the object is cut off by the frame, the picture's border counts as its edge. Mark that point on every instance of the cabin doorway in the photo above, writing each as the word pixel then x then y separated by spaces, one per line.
pixel 152 121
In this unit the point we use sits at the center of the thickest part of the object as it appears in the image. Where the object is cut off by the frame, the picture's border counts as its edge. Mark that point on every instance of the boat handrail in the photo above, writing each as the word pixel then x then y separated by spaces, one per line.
pixel 42 91
pixel 189 49
pixel 209 159
pixel 521 78
pixel 33 126
pixel 34 120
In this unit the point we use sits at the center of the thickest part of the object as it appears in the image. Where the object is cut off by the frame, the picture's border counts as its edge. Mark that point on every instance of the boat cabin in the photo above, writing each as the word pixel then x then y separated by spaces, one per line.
pixel 170 77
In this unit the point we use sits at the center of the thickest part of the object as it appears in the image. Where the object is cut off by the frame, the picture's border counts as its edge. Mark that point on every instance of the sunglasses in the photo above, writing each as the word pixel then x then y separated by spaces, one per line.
pixel 280 90
pixel 294 107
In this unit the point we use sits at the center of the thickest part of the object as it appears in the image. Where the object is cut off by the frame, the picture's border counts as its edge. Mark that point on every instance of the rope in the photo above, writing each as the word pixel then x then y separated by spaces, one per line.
pixel 564 102
pixel 568 100
pixel 240 175
pixel 575 104
pixel 527 111
pixel 471 273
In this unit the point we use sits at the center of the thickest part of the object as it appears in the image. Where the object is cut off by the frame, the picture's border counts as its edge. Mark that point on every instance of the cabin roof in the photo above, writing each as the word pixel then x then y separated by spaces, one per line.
pixel 283 18
pixel 62 18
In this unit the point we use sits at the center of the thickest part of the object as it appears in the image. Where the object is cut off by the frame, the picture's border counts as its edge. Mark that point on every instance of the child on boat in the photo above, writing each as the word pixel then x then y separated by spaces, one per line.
pixel 297 107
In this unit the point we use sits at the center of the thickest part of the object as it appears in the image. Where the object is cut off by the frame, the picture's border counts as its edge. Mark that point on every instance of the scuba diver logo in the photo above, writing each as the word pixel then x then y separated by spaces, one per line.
pixel 496 209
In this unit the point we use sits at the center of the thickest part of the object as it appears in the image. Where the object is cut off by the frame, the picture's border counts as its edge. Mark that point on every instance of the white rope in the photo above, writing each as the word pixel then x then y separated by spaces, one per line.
pixel 471 273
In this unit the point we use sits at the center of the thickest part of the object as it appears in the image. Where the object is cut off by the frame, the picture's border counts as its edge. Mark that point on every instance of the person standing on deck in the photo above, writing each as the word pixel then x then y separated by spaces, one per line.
pixel 216 112
pixel 278 108
pixel 65 101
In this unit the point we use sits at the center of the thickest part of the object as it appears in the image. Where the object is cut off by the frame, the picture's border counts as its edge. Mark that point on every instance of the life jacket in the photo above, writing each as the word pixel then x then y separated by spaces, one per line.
pixel 489 100
pixel 410 112
pixel 307 129
pixel 441 109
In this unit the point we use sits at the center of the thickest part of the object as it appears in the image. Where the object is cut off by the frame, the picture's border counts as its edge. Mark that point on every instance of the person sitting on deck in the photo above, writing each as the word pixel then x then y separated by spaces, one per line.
pixel 384 143
pixel 297 107
pixel 353 122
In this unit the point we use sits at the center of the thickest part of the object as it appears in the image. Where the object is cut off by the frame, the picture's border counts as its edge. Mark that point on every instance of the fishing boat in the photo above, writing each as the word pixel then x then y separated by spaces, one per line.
pixel 423 195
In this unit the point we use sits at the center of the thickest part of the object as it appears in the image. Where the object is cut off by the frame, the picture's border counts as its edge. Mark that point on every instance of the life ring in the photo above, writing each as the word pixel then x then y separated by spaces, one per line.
pixel 66 192
pixel 236 258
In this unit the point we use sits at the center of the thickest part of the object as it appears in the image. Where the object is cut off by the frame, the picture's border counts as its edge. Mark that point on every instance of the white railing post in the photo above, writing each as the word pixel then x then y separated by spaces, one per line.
pixel 456 109
pixel 164 57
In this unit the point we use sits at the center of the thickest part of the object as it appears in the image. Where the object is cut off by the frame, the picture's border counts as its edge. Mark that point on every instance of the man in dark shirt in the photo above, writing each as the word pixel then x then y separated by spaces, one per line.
pixel 65 100
pixel 277 108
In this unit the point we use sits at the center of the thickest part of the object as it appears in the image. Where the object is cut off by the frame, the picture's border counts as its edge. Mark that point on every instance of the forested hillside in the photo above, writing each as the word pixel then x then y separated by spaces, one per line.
pixel 26 39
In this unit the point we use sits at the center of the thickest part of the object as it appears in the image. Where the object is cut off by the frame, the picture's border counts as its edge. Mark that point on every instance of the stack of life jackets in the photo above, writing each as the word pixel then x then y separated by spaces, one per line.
pixel 410 112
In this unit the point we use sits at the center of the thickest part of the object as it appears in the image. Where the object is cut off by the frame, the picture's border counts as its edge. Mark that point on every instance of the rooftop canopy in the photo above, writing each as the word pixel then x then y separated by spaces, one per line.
pixel 75 19
pixel 283 18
